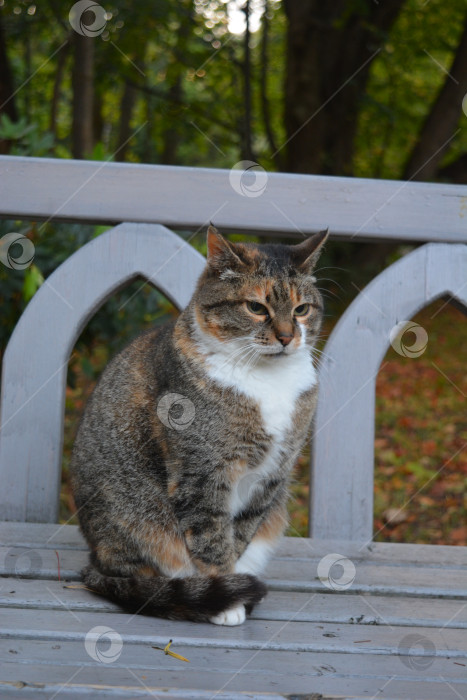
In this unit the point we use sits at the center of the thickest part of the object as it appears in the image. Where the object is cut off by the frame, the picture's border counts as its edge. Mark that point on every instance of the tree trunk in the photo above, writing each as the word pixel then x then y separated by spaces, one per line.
pixel 126 110
pixel 7 97
pixel 265 107
pixel 440 125
pixel 59 75
pixel 330 49
pixel 83 95
pixel 247 150
pixel 171 135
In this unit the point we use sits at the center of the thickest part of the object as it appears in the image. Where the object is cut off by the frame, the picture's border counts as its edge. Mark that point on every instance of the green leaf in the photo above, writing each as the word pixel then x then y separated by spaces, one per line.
pixel 32 281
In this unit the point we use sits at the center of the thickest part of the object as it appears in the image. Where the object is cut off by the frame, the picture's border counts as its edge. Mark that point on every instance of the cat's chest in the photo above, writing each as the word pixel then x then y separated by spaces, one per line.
pixel 274 386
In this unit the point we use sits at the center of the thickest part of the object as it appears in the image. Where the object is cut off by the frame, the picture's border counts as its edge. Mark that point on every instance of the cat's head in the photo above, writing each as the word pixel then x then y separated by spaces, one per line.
pixel 262 297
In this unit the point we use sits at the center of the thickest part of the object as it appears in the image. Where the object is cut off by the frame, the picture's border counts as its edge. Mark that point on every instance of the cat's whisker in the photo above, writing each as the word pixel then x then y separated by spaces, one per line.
pixel 252 360
pixel 233 354
pixel 249 353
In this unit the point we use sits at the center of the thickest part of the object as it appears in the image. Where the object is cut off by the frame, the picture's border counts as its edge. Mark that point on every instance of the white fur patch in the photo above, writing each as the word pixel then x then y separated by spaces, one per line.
pixel 234 616
pixel 254 558
pixel 273 382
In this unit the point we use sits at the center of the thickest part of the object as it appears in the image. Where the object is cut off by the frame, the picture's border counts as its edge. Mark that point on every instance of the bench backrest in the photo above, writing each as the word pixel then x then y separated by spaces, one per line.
pixel 34 367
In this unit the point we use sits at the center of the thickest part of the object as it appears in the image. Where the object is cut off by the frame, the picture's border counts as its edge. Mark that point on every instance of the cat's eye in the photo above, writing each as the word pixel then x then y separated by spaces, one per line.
pixel 302 310
pixel 256 308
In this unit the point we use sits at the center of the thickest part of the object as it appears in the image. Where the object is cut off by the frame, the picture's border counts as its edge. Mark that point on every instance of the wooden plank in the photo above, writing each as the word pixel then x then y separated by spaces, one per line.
pixel 73 690
pixel 377 552
pixel 155 680
pixel 51 536
pixel 343 446
pixel 41 535
pixel 49 625
pixel 137 657
pixel 278 605
pixel 380 579
pixel 189 198
pixel 33 387
pixel 49 690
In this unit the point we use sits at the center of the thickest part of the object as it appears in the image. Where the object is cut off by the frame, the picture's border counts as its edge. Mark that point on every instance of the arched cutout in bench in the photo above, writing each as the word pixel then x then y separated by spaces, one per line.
pixel 36 359
pixel 343 449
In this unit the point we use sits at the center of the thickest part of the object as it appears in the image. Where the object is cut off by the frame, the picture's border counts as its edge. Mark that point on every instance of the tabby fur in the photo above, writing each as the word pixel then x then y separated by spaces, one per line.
pixel 182 460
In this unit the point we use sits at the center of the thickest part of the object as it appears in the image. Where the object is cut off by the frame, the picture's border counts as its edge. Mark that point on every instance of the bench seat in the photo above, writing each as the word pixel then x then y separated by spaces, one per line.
pixel 399 630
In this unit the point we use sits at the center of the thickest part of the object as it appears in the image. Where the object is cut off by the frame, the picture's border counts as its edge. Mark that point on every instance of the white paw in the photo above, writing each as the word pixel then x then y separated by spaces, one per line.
pixel 234 616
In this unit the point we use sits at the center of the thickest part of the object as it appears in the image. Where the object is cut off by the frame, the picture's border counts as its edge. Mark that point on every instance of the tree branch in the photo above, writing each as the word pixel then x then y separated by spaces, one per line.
pixel 441 122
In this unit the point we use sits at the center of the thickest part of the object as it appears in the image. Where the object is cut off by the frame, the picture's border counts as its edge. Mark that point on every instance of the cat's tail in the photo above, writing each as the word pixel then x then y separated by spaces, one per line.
pixel 197 598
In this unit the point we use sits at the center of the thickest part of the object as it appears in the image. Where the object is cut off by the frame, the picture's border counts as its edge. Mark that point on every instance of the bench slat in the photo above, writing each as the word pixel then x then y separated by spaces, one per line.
pixel 188 198
pixel 278 605
pixel 152 680
pixel 254 634
pixel 401 580
pixel 306 664
pixel 51 536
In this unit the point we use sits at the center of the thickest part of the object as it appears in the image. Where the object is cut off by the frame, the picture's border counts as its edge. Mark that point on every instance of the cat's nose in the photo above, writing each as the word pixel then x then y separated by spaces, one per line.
pixel 285 339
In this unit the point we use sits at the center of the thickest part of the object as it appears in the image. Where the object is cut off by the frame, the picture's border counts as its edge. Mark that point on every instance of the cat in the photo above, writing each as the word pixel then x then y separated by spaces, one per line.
pixel 181 463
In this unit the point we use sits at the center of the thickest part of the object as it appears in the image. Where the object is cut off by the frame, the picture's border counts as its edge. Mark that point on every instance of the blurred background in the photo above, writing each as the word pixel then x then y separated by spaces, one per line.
pixel 365 88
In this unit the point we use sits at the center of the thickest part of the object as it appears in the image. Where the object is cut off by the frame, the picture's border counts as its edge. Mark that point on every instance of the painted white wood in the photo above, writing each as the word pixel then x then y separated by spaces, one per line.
pixel 53 536
pixel 169 683
pixel 12 691
pixel 426 581
pixel 35 361
pixel 345 608
pixel 138 657
pixel 343 444
pixel 189 198
pixel 303 638
pixel 265 635
pixel 306 640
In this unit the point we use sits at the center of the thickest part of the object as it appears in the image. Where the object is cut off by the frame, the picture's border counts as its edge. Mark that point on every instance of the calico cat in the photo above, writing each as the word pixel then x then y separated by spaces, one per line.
pixel 182 459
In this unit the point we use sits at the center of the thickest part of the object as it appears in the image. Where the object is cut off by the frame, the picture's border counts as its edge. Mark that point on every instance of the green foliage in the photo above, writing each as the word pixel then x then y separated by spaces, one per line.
pixel 26 139
pixel 404 82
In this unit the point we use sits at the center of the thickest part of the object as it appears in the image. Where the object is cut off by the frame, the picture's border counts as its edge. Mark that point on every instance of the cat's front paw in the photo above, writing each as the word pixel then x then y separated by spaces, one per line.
pixel 234 616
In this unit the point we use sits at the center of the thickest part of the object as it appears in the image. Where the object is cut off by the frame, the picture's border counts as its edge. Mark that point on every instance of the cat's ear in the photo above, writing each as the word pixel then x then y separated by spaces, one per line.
pixel 306 254
pixel 221 253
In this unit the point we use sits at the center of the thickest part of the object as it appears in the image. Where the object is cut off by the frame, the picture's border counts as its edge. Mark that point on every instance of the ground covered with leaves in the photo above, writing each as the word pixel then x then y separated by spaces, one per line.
pixel 420 445
pixel 421 439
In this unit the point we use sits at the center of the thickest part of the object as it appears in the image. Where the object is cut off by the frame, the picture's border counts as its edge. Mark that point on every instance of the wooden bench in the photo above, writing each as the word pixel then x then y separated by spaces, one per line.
pixel 345 617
